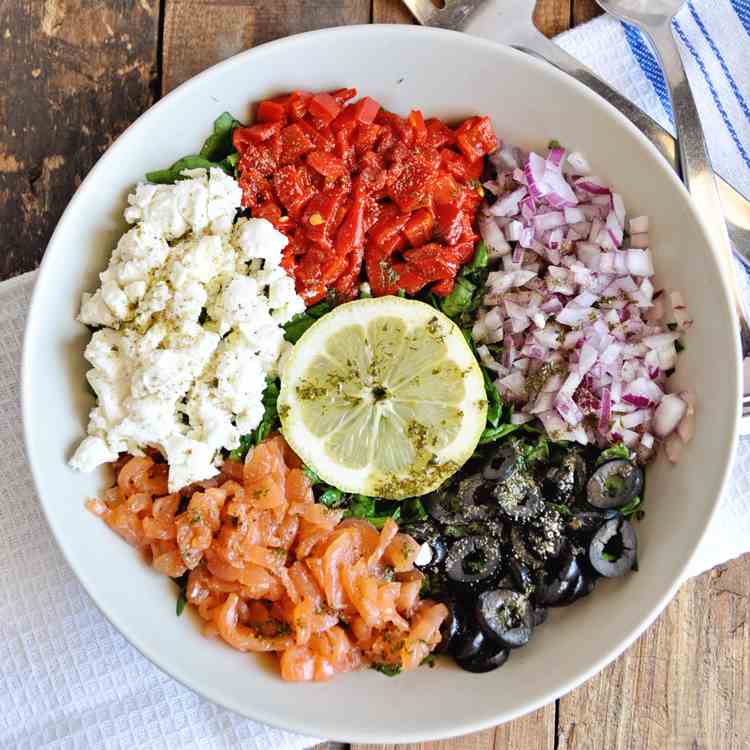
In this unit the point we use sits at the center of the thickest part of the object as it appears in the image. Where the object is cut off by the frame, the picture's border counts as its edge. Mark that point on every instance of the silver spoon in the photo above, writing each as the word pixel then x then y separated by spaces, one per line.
pixel 654 19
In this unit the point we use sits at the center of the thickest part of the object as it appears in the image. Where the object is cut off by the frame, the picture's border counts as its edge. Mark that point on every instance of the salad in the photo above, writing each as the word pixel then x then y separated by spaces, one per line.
pixel 376 388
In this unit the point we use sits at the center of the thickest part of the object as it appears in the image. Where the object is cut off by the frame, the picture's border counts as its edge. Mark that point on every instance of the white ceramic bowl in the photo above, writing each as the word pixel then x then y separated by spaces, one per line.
pixel 452 76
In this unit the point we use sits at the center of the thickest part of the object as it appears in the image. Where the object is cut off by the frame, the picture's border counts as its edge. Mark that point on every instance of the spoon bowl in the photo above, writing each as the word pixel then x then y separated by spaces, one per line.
pixel 643 12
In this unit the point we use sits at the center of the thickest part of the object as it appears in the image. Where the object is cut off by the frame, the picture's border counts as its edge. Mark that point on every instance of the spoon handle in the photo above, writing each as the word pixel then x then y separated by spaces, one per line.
pixel 697 171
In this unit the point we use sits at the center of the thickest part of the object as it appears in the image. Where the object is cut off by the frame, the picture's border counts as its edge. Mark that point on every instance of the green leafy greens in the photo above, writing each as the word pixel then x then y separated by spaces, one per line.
pixel 182 596
pixel 294 329
pixel 217 151
pixel 470 281
pixel 390 670
pixel 268 423
pixel 618 450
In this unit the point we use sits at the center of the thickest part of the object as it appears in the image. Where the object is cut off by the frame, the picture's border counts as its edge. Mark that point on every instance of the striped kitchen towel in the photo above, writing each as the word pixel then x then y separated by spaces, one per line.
pixel 714 40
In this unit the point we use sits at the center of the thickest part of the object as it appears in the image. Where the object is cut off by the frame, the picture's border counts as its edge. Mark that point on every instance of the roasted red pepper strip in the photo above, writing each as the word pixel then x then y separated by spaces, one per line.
pixel 351 184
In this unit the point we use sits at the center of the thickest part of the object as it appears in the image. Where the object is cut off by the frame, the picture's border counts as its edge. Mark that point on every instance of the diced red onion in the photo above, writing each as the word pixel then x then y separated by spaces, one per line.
pixel 668 414
pixel 639 240
pixel 566 232
pixel 493 237
pixel 508 205
pixel 638 225
pixel 578 163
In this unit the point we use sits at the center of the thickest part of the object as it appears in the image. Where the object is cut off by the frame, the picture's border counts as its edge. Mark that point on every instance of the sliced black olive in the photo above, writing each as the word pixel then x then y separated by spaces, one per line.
pixel 442 505
pixel 505 617
pixel 584 525
pixel 613 550
pixel 520 549
pixel 614 484
pixel 472 560
pixel 519 498
pixel 583 587
pixel 433 550
pixel 461 502
pixel 563 483
pixel 539 616
pixel 490 656
pixel 467 643
pixel 553 593
pixel 495 527
pixel 565 565
pixel 502 464
pixel 542 538
pixel 521 577
pixel 556 585
pixel 451 628
pixel 473 492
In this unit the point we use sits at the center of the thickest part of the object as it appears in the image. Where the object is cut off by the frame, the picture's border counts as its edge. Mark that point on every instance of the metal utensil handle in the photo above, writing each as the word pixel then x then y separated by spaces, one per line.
pixel 537 44
pixel 697 171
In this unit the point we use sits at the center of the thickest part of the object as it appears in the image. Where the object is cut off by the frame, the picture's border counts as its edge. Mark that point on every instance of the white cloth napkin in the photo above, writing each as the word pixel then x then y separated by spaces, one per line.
pixel 70 680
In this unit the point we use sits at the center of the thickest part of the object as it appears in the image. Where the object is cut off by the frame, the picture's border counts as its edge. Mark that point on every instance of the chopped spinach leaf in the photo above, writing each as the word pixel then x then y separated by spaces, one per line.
pixel 467 293
pixel 460 299
pixel 294 329
pixel 267 424
pixel 218 145
pixel 618 450
pixel 494 402
pixel 331 497
pixel 174 173
pixel 376 511
pixel 413 510
pixel 217 151
pixel 633 508
pixel 390 670
pixel 554 143
pixel 679 346
pixel 182 585
pixel 534 452
pixel 311 475
pixel 563 510
pixel 491 434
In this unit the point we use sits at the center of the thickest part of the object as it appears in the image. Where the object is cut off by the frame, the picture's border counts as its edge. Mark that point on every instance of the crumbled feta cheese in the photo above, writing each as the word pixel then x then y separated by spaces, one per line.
pixel 259 239
pixel 92 452
pixel 191 308
pixel 203 202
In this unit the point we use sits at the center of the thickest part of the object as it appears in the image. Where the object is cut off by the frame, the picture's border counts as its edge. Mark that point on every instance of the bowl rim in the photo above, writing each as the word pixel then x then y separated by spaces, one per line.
pixel 281 720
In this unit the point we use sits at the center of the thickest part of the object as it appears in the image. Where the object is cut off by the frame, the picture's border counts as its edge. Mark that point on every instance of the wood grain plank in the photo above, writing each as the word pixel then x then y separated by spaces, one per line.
pixel 77 73
pixel 199 33
pixel 536 731
pixel 391 11
pixel 553 16
pixel 683 685
pixel 585 10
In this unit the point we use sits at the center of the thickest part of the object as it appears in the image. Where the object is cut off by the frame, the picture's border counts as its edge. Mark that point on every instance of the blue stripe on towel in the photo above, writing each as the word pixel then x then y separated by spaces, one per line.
pixel 649 65
pixel 742 9
pixel 730 78
pixel 699 61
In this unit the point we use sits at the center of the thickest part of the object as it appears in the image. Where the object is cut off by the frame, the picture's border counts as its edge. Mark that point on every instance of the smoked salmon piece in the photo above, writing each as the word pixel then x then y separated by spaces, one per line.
pixel 269 569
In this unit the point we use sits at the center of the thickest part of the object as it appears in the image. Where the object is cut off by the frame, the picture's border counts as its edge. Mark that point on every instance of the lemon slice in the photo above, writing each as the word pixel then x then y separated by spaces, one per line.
pixel 383 397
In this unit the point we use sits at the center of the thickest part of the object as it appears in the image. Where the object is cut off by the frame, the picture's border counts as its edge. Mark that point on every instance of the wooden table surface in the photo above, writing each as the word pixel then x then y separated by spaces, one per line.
pixel 77 72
